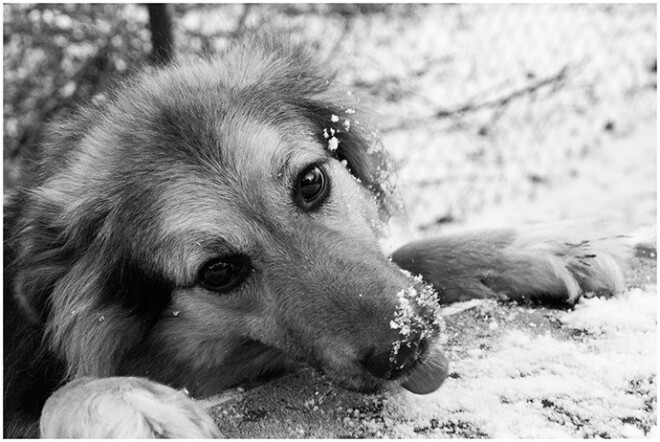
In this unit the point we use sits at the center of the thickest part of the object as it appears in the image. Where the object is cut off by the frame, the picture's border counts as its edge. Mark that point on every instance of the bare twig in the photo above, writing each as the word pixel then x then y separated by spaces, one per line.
pixel 348 24
pixel 473 106
pixel 240 26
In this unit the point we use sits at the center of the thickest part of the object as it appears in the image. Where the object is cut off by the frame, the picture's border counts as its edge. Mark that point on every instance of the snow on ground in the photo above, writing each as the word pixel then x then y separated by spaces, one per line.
pixel 547 387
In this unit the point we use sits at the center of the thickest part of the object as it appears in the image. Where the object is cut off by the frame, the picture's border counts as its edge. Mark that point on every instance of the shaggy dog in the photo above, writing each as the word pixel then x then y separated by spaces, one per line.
pixel 211 222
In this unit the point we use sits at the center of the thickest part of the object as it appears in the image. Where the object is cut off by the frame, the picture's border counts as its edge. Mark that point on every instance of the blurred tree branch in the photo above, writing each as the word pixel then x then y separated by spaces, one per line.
pixel 162 41
pixel 240 26
pixel 472 105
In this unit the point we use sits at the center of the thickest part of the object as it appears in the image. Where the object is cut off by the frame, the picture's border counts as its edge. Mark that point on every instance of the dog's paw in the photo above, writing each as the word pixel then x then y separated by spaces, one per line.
pixel 558 263
pixel 123 407
pixel 563 266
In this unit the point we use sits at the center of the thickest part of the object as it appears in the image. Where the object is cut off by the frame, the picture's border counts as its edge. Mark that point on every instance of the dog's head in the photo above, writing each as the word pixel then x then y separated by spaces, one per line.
pixel 217 207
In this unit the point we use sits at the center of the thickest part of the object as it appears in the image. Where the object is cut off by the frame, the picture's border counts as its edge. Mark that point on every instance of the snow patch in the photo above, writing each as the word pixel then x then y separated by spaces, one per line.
pixel 546 387
pixel 634 311
pixel 333 144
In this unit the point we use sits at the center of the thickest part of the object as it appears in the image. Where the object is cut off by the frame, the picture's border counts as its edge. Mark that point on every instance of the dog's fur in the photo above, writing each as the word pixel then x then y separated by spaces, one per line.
pixel 200 160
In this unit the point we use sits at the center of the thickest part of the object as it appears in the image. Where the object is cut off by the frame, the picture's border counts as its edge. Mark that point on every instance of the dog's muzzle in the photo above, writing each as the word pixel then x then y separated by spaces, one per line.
pixel 396 362
pixel 412 357
pixel 422 366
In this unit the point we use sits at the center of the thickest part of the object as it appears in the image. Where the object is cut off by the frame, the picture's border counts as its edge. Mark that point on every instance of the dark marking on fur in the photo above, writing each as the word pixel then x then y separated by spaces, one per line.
pixel 143 293
pixel 31 372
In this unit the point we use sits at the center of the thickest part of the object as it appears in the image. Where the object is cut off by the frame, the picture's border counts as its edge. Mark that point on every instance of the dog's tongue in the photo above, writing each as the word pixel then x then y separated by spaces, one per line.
pixel 429 375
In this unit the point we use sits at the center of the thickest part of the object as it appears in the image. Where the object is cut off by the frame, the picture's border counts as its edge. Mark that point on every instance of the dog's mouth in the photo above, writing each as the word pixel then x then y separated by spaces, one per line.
pixel 423 376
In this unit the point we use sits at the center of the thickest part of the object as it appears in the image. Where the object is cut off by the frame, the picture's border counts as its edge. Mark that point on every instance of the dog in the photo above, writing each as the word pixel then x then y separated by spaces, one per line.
pixel 216 220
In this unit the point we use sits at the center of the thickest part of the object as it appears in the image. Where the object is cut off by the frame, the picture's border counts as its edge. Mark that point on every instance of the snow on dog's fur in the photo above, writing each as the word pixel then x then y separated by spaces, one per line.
pixel 213 221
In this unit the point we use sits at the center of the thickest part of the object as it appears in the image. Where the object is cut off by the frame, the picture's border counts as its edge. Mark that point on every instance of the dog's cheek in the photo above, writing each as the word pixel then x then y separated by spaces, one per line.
pixel 204 326
pixel 208 313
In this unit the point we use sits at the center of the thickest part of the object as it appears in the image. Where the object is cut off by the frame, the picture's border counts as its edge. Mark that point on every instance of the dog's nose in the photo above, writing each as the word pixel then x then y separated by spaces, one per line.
pixel 398 359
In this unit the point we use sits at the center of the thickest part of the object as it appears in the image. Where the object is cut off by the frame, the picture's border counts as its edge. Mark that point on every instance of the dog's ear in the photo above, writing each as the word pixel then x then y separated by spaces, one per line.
pixel 40 254
pixel 73 274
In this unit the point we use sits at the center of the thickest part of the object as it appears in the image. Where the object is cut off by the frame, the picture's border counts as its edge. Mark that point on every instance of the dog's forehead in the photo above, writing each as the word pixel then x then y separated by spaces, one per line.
pixel 251 148
pixel 206 119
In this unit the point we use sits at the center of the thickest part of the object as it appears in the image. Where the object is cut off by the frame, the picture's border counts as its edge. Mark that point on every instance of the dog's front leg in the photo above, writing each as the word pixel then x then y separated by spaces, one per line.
pixel 123 407
pixel 543 264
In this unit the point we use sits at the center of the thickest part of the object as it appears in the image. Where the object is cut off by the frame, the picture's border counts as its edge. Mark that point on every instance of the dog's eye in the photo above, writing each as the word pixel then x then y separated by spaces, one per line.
pixel 222 275
pixel 312 188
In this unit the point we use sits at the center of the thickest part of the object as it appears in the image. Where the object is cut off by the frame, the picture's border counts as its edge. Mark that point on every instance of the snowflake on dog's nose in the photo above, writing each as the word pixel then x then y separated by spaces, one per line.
pixel 417 315
pixel 418 312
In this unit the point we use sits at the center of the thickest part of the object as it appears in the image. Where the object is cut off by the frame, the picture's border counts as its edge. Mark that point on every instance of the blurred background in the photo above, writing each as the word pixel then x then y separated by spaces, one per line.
pixel 495 114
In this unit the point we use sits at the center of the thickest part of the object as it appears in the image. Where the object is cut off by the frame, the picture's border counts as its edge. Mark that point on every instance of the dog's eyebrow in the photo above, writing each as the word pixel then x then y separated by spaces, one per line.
pixel 292 161
pixel 215 245
pixel 286 164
